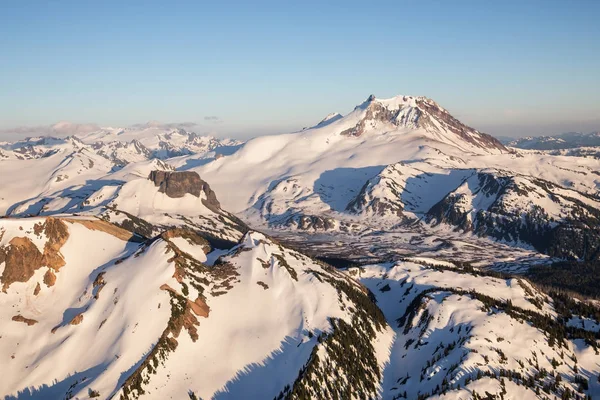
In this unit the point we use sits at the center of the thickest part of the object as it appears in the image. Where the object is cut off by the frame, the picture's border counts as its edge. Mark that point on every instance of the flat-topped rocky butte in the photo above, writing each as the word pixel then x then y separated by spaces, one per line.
pixel 176 184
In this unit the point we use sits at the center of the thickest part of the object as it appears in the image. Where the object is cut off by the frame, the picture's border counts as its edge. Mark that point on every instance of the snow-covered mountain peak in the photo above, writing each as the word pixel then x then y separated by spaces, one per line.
pixel 417 113
pixel 397 102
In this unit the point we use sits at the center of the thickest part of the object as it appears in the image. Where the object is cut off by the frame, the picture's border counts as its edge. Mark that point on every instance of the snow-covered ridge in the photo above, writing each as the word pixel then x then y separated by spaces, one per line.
pixel 329 119
pixel 140 315
pixel 457 335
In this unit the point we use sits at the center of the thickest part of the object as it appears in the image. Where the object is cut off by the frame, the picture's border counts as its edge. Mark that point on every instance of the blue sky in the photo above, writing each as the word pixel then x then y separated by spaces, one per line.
pixel 509 68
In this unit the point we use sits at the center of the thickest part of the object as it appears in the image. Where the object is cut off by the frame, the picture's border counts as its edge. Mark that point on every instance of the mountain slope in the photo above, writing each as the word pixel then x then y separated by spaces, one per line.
pixel 267 321
pixel 458 333
pixel 557 221
pixel 139 316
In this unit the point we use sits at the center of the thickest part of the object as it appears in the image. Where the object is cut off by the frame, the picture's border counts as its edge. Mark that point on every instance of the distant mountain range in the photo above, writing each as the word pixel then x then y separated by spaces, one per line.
pixel 567 140
pixel 120 145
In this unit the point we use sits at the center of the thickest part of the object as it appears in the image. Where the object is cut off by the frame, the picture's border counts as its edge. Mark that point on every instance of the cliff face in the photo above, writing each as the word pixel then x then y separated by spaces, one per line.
pixel 176 184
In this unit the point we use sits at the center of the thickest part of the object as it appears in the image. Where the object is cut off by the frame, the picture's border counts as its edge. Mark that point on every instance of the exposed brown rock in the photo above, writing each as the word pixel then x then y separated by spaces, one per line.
pixel 265 264
pixel 57 233
pixel 22 258
pixel 262 284
pixel 176 184
pixel 49 278
pixel 77 319
pixel 37 289
pixel 28 321
pixel 199 307
pixel 99 281
pixel 179 273
pixel 190 322
pixel 38 228
pixel 99 284
pixel 164 286
pixel 180 258
pixel 187 320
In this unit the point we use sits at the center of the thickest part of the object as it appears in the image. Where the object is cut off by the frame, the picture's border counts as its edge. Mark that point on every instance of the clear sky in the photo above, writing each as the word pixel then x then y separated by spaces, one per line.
pixel 245 68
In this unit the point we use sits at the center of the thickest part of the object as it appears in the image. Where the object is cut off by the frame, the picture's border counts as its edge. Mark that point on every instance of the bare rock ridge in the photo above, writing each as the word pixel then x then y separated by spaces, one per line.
pixel 176 184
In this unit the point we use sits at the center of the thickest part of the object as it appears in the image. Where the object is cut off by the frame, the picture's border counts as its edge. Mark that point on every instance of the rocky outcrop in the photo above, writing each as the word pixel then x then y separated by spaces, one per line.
pixel 98 284
pixel 57 233
pixel 22 257
pixel 375 112
pixel 28 321
pixel 77 319
pixel 49 278
pixel 177 184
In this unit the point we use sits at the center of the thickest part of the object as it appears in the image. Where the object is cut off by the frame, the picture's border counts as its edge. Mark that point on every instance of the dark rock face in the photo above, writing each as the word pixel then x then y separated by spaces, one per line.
pixel 177 184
